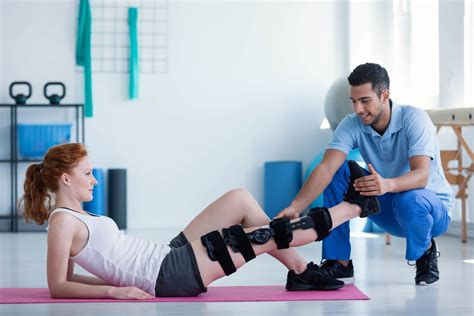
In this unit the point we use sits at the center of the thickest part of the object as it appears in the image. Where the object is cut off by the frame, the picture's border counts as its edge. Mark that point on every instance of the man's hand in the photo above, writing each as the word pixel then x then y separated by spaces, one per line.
pixel 289 212
pixel 372 184
pixel 129 293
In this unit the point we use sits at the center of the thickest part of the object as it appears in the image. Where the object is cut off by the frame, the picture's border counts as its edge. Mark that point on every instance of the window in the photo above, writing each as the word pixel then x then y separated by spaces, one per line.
pixel 415 69
pixel 468 53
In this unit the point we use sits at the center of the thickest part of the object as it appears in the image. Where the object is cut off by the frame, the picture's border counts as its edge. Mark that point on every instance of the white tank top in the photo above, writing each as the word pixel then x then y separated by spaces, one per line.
pixel 118 259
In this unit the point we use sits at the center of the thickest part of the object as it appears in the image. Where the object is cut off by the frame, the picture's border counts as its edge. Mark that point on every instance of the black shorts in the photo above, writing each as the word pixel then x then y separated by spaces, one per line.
pixel 179 273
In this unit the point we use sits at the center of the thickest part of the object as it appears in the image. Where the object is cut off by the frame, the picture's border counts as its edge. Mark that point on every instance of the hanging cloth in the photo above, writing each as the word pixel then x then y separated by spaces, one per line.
pixel 83 52
pixel 133 81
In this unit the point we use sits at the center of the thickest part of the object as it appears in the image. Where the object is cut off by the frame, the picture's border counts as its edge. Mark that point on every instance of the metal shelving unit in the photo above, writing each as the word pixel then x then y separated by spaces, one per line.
pixel 11 222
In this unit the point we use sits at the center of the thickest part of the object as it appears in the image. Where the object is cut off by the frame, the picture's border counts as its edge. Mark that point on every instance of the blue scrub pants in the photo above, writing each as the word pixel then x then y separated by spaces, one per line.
pixel 417 215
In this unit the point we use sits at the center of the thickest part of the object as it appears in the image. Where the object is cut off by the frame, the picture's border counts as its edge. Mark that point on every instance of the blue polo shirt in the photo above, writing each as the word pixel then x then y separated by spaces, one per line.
pixel 409 133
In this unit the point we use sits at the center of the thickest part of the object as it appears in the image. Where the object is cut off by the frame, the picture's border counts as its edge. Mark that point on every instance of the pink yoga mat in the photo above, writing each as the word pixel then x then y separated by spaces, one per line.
pixel 214 294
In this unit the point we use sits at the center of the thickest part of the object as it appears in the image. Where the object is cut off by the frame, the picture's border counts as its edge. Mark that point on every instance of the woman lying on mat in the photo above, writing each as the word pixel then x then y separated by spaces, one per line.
pixel 229 232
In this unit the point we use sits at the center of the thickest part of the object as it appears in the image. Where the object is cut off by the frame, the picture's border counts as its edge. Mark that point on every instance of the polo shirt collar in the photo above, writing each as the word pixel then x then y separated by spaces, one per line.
pixel 395 122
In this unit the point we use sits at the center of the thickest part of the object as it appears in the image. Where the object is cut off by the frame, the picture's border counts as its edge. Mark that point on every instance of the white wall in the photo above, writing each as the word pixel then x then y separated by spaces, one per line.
pixel 369 32
pixel 451 53
pixel 246 84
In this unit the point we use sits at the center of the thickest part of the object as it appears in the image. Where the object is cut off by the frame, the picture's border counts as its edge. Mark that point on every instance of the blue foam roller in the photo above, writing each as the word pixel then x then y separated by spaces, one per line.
pixel 97 205
pixel 282 182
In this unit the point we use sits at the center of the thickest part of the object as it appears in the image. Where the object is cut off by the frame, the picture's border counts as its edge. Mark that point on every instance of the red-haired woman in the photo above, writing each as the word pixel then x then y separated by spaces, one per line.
pixel 230 231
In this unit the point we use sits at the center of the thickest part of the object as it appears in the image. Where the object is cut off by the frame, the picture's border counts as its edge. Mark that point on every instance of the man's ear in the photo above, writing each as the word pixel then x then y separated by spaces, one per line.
pixel 385 95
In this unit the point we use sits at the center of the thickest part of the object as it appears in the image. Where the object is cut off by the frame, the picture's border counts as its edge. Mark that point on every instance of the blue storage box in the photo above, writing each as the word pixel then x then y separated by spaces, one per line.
pixel 282 181
pixel 35 140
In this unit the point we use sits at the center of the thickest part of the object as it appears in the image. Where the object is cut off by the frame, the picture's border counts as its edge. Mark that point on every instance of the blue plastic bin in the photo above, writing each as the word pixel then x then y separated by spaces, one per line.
pixel 282 181
pixel 35 140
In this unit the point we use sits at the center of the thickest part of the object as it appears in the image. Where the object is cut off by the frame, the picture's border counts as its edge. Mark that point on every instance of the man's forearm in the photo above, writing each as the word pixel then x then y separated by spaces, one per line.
pixel 415 179
pixel 314 186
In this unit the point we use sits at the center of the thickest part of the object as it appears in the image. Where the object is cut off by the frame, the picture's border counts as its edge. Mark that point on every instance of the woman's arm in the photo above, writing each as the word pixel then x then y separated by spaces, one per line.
pixel 60 237
pixel 85 279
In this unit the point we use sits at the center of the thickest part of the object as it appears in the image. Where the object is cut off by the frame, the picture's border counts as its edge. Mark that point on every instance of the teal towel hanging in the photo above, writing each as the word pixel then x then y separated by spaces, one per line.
pixel 133 83
pixel 83 52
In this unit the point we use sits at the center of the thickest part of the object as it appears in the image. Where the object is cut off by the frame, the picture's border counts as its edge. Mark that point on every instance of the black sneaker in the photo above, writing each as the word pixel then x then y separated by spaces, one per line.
pixel 337 270
pixel 369 204
pixel 427 266
pixel 311 280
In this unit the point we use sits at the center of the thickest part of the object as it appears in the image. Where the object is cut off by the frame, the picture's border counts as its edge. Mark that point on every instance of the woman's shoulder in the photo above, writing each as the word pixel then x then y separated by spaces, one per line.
pixel 63 219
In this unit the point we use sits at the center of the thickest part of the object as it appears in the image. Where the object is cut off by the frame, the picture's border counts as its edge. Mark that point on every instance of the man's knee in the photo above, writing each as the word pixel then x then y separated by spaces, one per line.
pixel 408 204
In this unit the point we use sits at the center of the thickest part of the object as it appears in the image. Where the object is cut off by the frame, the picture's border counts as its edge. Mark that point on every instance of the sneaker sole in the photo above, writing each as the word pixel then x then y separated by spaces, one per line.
pixel 315 288
pixel 423 283
pixel 350 280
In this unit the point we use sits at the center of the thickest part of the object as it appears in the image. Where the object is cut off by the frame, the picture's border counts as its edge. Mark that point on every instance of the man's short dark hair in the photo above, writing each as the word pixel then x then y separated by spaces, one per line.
pixel 373 73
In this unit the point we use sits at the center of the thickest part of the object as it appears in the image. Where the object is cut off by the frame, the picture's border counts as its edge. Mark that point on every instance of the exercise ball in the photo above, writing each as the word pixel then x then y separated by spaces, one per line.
pixel 337 103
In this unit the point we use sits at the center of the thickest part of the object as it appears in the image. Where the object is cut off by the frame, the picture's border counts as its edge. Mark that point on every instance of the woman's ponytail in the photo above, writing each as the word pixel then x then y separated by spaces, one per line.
pixel 36 201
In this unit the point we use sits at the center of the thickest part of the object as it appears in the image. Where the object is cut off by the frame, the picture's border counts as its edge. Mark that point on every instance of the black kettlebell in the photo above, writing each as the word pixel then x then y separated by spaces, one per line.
pixel 54 98
pixel 20 98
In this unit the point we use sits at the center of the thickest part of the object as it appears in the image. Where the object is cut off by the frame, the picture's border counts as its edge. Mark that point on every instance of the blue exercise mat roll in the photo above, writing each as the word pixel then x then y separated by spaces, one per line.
pixel 281 184
pixel 118 196
pixel 97 205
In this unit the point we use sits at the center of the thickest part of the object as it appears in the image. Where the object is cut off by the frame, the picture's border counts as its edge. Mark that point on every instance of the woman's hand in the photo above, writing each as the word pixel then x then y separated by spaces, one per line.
pixel 129 293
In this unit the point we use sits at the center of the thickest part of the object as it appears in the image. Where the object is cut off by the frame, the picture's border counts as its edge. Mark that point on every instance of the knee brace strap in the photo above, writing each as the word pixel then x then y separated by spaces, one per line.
pixel 282 232
pixel 217 251
pixel 237 239
pixel 322 221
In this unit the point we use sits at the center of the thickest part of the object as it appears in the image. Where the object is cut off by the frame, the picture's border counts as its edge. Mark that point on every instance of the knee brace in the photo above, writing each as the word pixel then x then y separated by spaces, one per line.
pixel 280 229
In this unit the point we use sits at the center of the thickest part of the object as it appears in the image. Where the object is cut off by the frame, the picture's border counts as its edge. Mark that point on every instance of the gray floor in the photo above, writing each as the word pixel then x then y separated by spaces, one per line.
pixel 381 272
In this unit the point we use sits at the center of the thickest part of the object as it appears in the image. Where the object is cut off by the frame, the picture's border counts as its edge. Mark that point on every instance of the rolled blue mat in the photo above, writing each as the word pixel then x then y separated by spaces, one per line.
pixel 282 181
pixel 118 196
pixel 97 205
